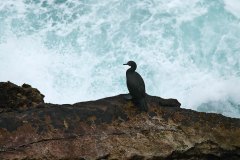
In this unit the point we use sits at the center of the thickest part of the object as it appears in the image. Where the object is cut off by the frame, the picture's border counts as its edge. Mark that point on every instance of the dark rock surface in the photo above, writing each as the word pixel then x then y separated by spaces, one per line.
pixel 110 128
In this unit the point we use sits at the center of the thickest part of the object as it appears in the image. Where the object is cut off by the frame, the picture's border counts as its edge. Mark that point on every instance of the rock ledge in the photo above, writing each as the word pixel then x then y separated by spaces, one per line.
pixel 110 128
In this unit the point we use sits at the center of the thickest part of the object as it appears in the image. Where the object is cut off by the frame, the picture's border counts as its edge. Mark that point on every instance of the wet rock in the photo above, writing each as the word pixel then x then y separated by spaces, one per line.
pixel 113 128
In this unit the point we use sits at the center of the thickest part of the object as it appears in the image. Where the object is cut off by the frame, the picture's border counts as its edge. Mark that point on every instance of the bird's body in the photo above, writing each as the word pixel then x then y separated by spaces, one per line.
pixel 136 86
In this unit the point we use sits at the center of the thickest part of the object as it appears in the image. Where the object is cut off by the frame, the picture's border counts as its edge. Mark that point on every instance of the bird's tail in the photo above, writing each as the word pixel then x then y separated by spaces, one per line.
pixel 143 104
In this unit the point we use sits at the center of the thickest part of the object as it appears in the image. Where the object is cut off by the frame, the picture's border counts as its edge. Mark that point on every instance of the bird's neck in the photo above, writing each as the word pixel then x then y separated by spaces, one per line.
pixel 132 69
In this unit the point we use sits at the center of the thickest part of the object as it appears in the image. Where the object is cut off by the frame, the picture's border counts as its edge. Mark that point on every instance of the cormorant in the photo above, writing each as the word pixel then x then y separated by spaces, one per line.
pixel 136 86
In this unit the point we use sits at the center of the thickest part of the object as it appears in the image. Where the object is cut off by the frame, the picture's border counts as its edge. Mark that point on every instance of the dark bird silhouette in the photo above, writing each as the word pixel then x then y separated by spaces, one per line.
pixel 136 86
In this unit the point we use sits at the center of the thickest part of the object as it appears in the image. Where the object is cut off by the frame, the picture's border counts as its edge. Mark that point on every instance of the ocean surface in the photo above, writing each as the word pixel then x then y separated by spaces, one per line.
pixel 73 50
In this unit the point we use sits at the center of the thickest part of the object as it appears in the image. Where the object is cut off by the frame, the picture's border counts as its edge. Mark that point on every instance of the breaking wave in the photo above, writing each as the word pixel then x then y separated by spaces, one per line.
pixel 73 50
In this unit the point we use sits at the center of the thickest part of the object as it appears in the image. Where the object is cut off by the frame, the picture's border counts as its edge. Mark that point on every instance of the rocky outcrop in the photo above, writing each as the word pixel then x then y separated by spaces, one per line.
pixel 13 97
pixel 113 128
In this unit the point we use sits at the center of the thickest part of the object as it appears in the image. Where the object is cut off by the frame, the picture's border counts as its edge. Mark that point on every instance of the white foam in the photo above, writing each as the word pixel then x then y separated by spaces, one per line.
pixel 74 51
pixel 233 6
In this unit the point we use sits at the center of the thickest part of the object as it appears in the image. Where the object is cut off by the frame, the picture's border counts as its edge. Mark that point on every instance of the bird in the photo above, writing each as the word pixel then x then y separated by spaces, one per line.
pixel 136 86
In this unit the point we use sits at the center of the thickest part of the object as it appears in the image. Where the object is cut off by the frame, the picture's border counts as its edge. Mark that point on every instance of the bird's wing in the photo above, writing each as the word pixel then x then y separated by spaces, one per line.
pixel 141 83
pixel 136 83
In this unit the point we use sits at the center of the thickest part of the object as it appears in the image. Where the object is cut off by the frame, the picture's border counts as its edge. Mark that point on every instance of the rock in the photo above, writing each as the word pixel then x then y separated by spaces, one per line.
pixel 13 97
pixel 113 128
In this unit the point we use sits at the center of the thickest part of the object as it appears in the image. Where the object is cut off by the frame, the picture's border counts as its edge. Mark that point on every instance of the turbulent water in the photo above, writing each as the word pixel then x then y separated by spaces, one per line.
pixel 73 50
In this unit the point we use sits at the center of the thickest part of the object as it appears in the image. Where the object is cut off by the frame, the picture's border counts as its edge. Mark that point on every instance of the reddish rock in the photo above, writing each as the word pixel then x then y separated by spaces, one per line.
pixel 113 128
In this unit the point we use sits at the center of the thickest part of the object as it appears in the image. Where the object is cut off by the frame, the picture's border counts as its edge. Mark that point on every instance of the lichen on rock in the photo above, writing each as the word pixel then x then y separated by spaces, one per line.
pixel 13 97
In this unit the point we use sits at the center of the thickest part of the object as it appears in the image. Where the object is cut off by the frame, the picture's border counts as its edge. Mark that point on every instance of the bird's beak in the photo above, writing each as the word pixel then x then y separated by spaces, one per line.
pixel 125 64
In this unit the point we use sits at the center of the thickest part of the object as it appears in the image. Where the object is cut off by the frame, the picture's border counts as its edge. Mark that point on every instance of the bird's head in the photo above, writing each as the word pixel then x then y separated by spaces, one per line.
pixel 132 64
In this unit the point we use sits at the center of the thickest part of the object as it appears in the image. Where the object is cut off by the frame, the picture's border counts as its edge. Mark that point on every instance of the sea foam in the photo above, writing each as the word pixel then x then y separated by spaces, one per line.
pixel 74 50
